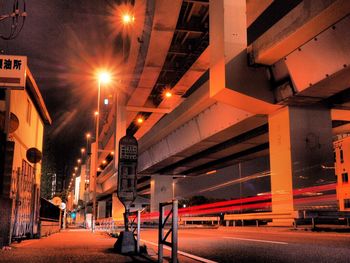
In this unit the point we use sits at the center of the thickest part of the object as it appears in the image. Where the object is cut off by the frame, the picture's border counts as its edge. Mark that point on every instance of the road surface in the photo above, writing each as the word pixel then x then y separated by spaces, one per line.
pixel 251 244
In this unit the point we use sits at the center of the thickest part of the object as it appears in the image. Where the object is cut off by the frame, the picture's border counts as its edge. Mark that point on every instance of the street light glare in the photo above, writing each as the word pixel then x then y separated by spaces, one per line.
pixel 104 77
pixel 127 19
pixel 139 120
pixel 168 94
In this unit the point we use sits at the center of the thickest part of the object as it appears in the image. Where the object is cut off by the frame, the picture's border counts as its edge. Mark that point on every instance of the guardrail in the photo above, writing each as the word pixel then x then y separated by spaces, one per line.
pixel 249 208
pixel 208 219
pixel 258 216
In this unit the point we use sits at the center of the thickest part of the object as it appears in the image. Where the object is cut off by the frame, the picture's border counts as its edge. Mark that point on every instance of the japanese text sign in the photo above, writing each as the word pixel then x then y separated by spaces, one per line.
pixel 13 71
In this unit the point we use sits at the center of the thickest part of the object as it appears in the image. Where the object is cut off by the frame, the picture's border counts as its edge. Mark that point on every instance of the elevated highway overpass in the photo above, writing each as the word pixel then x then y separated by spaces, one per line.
pixel 248 79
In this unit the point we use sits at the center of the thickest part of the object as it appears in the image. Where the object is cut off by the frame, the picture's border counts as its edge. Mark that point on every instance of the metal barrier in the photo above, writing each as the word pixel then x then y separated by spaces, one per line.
pixel 173 230
pixel 202 219
pixel 135 227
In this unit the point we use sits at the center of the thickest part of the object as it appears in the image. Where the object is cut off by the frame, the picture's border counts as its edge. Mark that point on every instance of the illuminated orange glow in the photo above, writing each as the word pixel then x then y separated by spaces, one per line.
pixel 256 202
pixel 104 161
pixel 79 161
pixel 211 172
pixel 127 19
pixel 112 153
pixel 104 77
pixel 96 113
pixel 88 135
pixel 75 168
pixel 82 150
pixel 123 18
pixel 168 94
pixel 139 120
pixel 73 174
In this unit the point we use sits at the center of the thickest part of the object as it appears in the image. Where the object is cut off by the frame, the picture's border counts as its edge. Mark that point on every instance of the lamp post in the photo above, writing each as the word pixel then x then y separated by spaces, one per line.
pixel 103 77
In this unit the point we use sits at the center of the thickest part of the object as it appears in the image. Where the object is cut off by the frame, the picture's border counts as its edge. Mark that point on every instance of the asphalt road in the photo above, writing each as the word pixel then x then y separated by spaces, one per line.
pixel 251 244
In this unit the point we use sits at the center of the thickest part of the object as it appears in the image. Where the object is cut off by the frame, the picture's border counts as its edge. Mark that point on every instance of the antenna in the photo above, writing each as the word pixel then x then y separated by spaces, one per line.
pixel 18 19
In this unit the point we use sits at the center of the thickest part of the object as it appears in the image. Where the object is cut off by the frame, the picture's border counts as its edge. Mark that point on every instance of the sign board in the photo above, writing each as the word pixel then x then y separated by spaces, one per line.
pixel 14 122
pixel 13 71
pixel 34 155
pixel 128 153
pixel 63 206
pixel 56 201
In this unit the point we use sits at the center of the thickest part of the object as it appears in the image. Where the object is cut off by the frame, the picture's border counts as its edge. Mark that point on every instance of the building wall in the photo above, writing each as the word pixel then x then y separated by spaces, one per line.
pixel 342 171
pixel 30 131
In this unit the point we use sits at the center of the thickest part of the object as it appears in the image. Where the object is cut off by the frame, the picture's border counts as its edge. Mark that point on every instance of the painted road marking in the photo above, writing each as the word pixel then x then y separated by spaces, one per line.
pixel 257 240
pixel 182 253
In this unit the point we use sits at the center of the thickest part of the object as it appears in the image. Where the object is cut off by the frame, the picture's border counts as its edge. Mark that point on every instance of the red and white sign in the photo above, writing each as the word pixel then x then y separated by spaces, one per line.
pixel 13 71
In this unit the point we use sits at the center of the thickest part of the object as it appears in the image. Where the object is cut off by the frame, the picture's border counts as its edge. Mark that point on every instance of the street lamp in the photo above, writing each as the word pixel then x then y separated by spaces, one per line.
pixel 103 78
pixel 128 19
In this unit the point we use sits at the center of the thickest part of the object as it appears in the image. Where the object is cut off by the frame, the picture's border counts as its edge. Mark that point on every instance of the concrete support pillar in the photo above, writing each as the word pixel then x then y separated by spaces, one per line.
pixel 117 208
pixel 101 209
pixel 161 190
pixel 231 80
pixel 300 143
pixel 228 37
pixel 120 123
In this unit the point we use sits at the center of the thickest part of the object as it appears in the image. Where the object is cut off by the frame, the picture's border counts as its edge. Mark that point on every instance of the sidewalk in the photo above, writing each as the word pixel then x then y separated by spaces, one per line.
pixel 68 246
pixel 76 245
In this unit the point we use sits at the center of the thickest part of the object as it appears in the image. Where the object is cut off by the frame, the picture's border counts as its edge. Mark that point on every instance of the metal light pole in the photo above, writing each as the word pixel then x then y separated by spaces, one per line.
pixel 103 77
pixel 96 158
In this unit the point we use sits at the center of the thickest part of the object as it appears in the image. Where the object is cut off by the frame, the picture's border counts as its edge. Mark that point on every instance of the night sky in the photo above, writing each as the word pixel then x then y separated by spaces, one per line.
pixel 65 40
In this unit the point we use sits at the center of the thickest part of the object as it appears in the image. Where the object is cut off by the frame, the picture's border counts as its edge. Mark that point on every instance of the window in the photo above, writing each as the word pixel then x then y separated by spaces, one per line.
pixel 341 156
pixel 345 177
pixel 29 111
pixel 346 203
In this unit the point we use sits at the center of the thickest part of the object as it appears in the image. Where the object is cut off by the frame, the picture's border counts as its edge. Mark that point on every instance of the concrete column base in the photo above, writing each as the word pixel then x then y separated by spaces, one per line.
pixel 126 243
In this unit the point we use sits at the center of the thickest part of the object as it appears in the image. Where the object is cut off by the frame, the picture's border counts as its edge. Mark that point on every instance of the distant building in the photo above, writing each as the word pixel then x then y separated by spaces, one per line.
pixel 342 169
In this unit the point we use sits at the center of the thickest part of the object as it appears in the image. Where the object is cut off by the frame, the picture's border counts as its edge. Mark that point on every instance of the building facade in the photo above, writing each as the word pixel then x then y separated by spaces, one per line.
pixel 21 152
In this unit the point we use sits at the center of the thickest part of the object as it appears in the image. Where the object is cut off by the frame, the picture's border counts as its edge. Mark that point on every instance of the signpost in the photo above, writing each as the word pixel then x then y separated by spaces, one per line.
pixel 127 165
pixel 127 179
pixel 13 71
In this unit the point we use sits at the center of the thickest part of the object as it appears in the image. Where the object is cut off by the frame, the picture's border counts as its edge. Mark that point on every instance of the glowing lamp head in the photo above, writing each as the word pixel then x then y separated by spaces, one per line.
pixel 139 120
pixel 82 150
pixel 104 161
pixel 104 77
pixel 128 19
pixel 88 135
pixel 79 161
pixel 168 94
